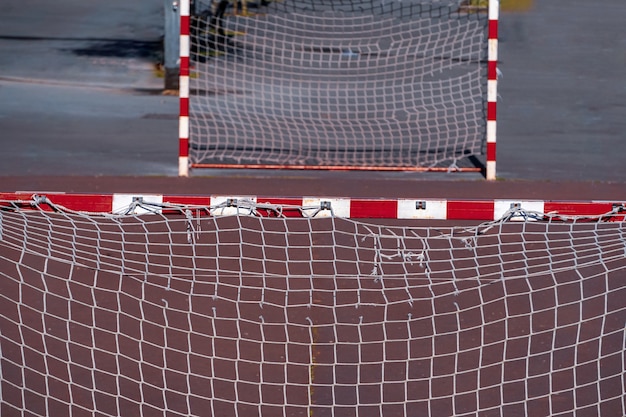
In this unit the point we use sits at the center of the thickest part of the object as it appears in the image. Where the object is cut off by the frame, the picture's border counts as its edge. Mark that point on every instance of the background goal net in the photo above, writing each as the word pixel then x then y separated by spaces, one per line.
pixel 363 84
pixel 246 311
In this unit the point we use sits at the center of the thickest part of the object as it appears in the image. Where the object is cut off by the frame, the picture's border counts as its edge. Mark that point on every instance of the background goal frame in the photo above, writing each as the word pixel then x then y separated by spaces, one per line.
pixel 489 145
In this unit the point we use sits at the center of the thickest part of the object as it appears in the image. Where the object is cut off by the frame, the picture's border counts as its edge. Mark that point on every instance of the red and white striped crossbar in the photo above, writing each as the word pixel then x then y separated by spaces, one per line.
pixel 492 88
pixel 404 208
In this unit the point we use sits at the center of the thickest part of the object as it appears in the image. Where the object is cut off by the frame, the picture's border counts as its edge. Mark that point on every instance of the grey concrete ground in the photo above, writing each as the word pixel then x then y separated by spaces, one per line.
pixel 79 94
pixel 562 110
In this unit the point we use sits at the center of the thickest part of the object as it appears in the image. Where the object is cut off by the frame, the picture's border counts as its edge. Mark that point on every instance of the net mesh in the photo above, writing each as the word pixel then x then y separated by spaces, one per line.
pixel 361 83
pixel 198 314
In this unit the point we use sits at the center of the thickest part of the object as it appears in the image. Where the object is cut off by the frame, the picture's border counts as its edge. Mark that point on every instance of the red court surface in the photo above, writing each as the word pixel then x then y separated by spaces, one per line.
pixel 329 184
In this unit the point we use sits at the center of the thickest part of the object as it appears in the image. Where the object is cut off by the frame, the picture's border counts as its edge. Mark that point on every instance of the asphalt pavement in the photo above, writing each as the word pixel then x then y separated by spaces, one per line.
pixel 79 94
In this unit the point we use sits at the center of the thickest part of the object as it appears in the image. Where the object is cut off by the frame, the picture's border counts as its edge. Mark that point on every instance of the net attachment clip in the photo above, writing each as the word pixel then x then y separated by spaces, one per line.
pixel 39 199
pixel 326 205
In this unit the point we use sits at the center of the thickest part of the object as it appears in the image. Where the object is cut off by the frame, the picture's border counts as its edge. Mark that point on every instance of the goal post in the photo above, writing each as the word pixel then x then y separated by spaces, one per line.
pixel 405 85
pixel 238 306
pixel 492 89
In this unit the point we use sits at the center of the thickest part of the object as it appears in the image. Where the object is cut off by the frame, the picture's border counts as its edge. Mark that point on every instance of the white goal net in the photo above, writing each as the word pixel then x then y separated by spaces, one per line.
pixel 338 83
pixel 245 311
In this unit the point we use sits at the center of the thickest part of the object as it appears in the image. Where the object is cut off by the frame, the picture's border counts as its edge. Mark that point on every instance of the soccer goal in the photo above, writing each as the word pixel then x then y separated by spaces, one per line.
pixel 339 84
pixel 240 307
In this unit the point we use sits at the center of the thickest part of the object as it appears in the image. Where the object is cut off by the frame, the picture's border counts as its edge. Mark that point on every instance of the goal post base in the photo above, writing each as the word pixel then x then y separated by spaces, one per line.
pixel 183 166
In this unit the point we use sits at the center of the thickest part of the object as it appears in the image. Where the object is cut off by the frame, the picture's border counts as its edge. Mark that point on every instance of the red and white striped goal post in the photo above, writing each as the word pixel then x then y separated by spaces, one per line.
pixel 183 119
pixel 492 88
pixel 353 208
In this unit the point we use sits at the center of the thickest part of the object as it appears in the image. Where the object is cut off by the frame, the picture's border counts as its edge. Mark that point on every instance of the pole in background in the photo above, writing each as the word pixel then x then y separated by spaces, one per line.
pixel 171 44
